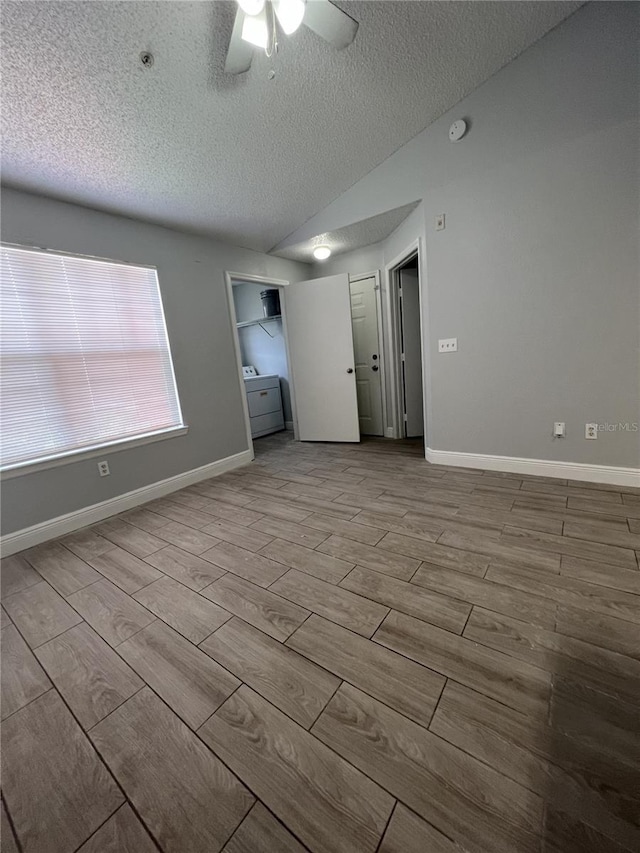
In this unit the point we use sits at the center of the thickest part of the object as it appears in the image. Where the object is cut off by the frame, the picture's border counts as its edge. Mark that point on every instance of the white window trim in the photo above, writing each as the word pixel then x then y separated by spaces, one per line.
pixel 23 468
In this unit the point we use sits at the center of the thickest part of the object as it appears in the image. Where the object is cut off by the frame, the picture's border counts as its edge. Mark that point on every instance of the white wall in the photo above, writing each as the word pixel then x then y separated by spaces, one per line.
pixel 191 274
pixel 537 272
pixel 264 348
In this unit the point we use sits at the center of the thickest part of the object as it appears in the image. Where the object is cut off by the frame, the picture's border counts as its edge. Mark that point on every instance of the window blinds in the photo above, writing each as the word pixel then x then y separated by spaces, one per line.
pixel 85 355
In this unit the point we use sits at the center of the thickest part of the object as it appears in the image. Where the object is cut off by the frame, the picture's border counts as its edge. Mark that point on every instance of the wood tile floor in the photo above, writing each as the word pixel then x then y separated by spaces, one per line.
pixel 338 649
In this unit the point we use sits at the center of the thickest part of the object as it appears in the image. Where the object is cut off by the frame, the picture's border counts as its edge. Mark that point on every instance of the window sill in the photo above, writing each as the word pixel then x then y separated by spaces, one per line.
pixel 25 468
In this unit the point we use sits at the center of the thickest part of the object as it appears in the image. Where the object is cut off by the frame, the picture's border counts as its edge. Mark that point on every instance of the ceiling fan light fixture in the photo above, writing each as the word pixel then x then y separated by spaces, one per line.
pixel 255 29
pixel 290 14
pixel 321 253
pixel 251 7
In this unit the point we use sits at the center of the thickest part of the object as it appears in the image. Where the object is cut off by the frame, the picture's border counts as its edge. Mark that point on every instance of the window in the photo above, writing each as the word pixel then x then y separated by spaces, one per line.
pixel 85 356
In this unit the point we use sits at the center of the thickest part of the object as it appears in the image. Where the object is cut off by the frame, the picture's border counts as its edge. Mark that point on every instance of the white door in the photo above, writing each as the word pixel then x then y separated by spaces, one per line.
pixel 412 353
pixel 318 319
pixel 364 319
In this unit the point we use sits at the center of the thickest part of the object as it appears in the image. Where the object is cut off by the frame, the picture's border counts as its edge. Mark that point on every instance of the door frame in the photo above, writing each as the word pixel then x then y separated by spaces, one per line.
pixel 392 276
pixel 375 274
pixel 231 279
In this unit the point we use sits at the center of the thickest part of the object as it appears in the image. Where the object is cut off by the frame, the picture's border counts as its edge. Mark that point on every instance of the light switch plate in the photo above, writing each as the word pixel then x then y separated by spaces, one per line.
pixel 448 345
pixel 440 222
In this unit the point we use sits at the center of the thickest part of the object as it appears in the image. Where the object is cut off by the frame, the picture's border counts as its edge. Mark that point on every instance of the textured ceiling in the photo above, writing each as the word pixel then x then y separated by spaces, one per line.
pixel 245 158
pixel 355 236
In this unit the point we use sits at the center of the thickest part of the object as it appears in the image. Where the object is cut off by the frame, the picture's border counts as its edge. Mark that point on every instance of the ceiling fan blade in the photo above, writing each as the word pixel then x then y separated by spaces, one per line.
pixel 330 23
pixel 239 53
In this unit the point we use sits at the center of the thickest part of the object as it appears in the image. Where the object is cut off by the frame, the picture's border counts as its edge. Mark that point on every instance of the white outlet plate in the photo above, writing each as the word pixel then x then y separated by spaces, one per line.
pixel 559 429
pixel 440 222
pixel 103 469
pixel 591 430
pixel 448 345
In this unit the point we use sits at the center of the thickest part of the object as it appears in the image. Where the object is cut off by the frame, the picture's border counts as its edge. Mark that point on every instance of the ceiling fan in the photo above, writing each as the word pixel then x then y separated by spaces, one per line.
pixel 258 21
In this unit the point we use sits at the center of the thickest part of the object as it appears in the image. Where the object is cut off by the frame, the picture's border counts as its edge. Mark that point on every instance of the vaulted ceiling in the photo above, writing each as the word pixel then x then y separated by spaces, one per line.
pixel 247 159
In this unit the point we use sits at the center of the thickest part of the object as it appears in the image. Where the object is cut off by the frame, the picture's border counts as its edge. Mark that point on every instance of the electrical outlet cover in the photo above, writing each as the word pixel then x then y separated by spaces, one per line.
pixel 591 431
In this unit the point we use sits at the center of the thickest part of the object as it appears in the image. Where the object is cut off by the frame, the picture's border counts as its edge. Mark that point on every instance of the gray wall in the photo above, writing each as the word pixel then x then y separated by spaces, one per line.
pixel 537 272
pixel 191 273
pixel 265 350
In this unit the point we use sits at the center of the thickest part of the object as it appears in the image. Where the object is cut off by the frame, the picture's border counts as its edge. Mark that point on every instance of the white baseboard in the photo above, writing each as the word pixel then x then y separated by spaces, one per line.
pixel 389 432
pixel 38 533
pixel 540 467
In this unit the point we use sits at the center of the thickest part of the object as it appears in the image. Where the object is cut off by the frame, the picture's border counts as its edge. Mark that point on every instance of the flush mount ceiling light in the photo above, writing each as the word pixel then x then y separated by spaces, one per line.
pixel 258 21
pixel 321 253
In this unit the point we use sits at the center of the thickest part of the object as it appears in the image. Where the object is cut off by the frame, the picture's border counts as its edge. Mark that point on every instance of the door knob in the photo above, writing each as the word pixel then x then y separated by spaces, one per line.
pixel 374 357
pixel 349 369
pixel 375 367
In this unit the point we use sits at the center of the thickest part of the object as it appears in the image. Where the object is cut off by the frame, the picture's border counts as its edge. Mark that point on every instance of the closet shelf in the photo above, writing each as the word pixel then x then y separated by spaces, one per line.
pixel 260 323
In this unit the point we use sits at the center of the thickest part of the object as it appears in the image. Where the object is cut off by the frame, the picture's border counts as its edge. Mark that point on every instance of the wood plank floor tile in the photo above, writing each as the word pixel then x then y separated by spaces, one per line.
pixel 57 790
pixel 419 527
pixel 125 570
pixel 592 717
pixel 350 530
pixel 600 630
pixel 192 684
pixel 210 489
pixel 566 545
pixel 400 683
pixel 232 512
pixel 553 652
pixel 453 558
pixel 320 565
pixel 7 838
pixel 291 531
pixel 326 802
pixel 188 538
pixel 371 504
pixel 334 603
pixel 601 533
pixel 122 833
pixel 485 593
pixel 325 491
pixel 63 570
pixel 260 832
pixel 516 517
pixel 562 834
pixel 22 677
pixel 144 518
pixel 252 567
pixel 235 534
pixel 518 684
pixel 40 613
pixel 623 510
pixel 576 491
pixel 259 607
pixel 188 569
pixel 626 580
pixel 5 621
pixel 179 514
pixel 280 508
pixel 127 536
pixel 16 574
pixel 537 757
pixel 185 795
pixel 504 549
pixel 86 543
pixel 111 613
pixel 189 613
pixel 408 833
pixel 286 679
pixel 91 677
pixel 380 558
pixel 462 797
pixel 569 591
pixel 438 609
pixel 634 525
